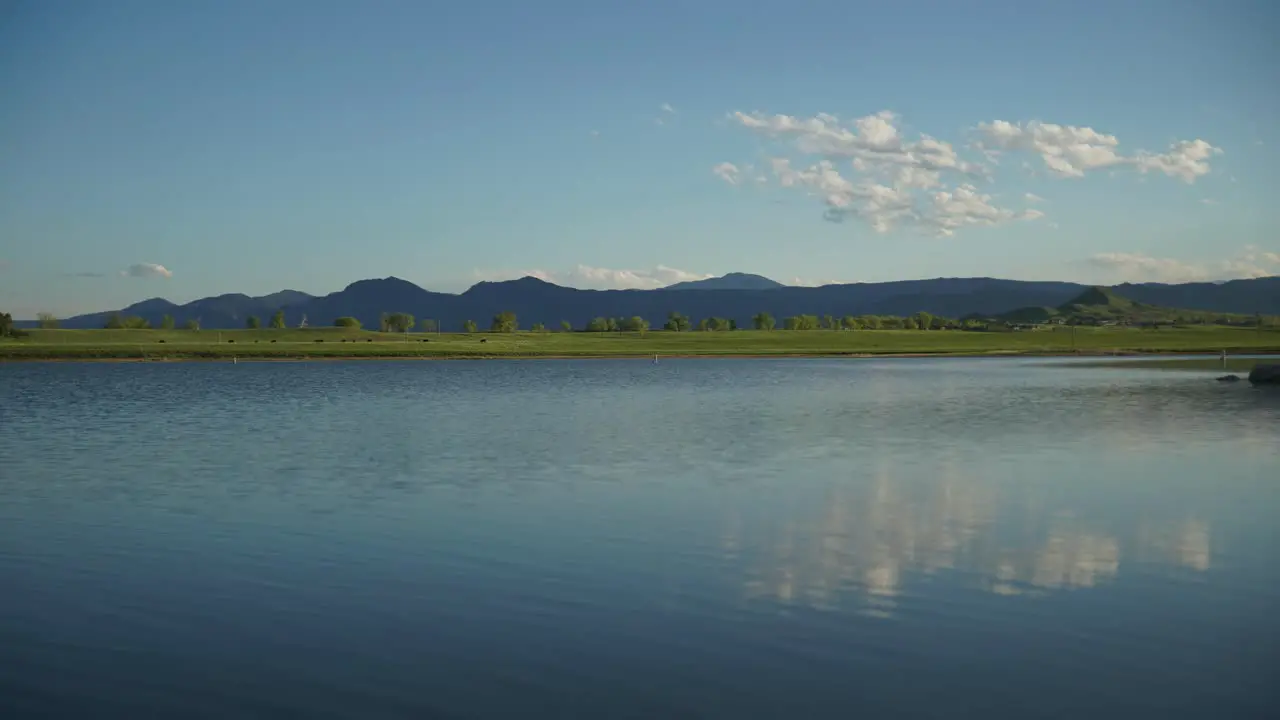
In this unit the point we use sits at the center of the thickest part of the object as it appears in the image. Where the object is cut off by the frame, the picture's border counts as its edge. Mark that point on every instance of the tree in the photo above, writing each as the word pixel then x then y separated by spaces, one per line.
pixel 598 325
pixel 47 321
pixel 504 322
pixel 115 321
pixel 635 324
pixel 923 320
pixel 801 322
pixel 566 326
pixel 252 322
pixel 384 322
pixel 166 322
pixel 611 324
pixel 469 326
pixel 676 322
pixel 349 323
pixel 192 325
pixel 829 323
pixel 397 322
pixel 538 327
pixel 277 320
pixel 762 321
pixel 704 324
pixel 429 325
pixel 849 322
pixel 6 324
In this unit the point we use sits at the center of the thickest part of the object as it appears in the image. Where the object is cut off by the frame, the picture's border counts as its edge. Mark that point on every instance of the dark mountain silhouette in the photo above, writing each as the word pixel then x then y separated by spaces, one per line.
pixel 534 300
pixel 732 281
pixel 221 311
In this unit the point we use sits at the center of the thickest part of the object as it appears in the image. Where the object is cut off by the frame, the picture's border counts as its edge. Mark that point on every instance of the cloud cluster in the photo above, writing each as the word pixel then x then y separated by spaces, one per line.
pixel 1069 151
pixel 869 169
pixel 1136 267
pixel 596 278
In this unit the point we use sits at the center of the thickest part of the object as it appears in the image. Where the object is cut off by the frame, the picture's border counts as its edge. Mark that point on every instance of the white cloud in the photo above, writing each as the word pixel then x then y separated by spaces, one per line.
pixel 595 133
pixel 595 278
pixel 666 108
pixel 868 168
pixel 728 172
pixel 884 207
pixel 1185 160
pixel 874 140
pixel 1069 151
pixel 1136 267
pixel 893 181
pixel 1208 201
pixel 147 270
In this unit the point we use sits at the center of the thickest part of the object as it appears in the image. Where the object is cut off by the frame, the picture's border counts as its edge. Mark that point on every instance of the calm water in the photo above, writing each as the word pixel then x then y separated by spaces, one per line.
pixel 693 539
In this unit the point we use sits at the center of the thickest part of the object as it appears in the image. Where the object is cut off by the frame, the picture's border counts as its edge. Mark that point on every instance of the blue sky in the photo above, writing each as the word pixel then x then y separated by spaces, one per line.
pixel 184 149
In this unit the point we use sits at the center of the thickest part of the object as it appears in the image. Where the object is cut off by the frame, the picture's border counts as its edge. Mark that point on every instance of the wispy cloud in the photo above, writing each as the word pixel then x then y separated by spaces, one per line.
pixel 597 278
pixel 1249 262
pixel 728 172
pixel 146 270
pixel 810 282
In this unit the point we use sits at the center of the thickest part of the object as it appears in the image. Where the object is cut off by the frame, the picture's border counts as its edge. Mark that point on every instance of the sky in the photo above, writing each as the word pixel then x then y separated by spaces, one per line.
pixel 186 149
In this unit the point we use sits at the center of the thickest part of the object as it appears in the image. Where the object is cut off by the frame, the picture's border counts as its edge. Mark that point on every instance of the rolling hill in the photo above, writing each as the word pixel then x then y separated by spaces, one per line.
pixel 1097 305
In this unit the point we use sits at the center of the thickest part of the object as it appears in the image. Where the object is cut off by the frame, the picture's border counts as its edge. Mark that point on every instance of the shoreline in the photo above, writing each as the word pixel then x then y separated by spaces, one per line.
pixel 235 359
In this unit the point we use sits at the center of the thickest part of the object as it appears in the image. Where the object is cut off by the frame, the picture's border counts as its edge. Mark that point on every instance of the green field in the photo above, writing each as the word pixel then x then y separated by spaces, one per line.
pixel 322 343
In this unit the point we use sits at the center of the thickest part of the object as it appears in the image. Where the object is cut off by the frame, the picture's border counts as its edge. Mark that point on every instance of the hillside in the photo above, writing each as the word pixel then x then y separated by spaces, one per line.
pixel 535 301
pixel 1099 305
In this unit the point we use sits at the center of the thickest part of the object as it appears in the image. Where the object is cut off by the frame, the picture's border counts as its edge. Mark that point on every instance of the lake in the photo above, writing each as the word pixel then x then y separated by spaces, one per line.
pixel 738 538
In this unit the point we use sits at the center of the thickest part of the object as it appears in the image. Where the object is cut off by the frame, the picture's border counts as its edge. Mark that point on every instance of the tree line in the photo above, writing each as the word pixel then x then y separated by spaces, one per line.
pixel 507 322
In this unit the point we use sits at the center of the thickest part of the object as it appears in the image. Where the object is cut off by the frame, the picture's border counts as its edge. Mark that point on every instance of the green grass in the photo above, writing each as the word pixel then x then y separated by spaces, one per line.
pixel 338 343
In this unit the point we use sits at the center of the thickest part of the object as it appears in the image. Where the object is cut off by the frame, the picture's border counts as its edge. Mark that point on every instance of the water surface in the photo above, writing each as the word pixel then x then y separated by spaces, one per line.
pixel 613 538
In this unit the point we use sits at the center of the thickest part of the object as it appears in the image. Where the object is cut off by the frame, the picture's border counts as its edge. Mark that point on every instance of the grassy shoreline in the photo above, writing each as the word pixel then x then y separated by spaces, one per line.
pixel 339 344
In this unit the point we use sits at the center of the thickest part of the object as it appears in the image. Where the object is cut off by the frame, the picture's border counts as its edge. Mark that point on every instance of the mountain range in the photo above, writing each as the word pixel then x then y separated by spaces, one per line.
pixel 735 296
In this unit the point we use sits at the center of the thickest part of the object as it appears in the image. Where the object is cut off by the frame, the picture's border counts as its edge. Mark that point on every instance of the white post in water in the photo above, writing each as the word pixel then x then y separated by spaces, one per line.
pixel 1224 359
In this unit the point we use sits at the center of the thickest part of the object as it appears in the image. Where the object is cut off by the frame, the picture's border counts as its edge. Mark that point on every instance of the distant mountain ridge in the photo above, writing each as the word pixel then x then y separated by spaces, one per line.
pixel 731 281
pixel 535 301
